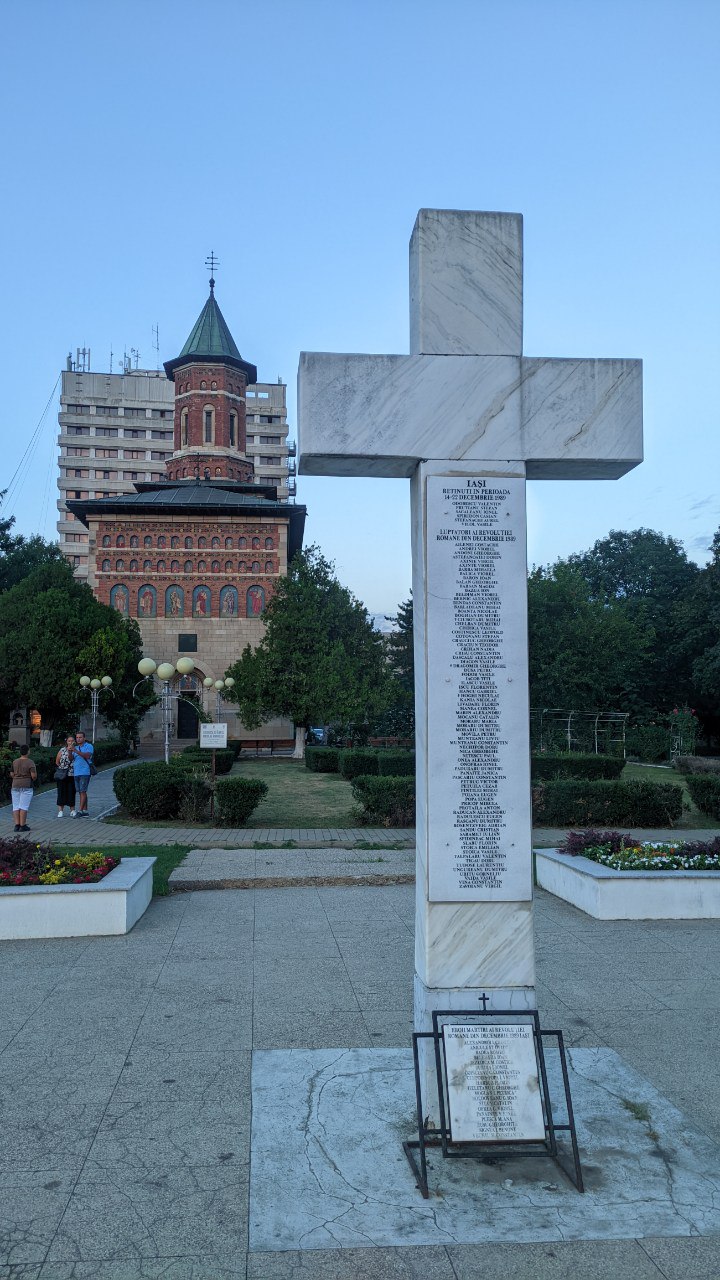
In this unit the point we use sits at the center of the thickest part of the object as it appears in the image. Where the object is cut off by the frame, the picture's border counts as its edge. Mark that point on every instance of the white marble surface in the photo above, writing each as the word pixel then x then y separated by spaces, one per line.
pixel 479 820
pixel 493 1083
pixel 111 906
pixel 629 895
pixel 379 415
pixel 466 276
pixel 466 944
pixel 333 1121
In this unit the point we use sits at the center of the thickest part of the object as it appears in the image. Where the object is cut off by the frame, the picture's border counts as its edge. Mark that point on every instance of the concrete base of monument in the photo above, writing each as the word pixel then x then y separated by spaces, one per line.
pixel 328 1169
pixel 111 906
pixel 629 895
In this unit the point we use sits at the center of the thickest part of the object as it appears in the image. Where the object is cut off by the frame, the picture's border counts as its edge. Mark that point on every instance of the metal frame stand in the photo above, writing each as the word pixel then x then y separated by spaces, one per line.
pixel 441 1137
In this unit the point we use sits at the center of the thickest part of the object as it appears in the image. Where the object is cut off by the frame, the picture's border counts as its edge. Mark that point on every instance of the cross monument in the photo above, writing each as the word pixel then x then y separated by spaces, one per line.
pixel 468 419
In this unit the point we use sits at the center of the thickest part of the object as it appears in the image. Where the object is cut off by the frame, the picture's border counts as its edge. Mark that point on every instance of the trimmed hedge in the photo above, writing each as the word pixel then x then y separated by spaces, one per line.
pixel 353 764
pixel 632 804
pixel 386 802
pixel 705 792
pixel 322 759
pixel 224 758
pixel 699 764
pixel 396 764
pixel 575 765
pixel 236 798
pixel 151 791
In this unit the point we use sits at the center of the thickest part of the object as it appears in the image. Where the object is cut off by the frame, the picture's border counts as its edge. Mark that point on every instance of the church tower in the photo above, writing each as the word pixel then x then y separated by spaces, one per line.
pixel 211 380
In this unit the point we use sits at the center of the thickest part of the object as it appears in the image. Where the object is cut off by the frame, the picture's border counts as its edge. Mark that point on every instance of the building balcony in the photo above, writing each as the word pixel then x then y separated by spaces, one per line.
pixel 292 468
pixel 292 449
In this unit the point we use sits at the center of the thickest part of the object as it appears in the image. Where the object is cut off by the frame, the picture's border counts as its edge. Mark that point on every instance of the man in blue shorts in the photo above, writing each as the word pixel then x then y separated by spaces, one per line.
pixel 82 758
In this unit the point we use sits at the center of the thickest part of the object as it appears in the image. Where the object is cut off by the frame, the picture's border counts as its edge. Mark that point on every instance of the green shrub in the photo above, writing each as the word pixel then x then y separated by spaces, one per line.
pixel 106 752
pixel 195 797
pixel 705 792
pixel 699 764
pixel 633 804
pixel 575 765
pixel 648 742
pixel 224 758
pixel 321 759
pixel 151 791
pixel 396 764
pixel 386 802
pixel 235 745
pixel 352 764
pixel 236 798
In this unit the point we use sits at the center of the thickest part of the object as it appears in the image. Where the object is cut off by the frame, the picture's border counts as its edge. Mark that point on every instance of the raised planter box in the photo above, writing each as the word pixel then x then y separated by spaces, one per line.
pixel 629 895
pixel 113 905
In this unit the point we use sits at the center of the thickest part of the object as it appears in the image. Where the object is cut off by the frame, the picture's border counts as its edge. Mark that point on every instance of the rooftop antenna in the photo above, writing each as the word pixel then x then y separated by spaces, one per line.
pixel 134 352
pixel 111 357
pixel 156 345
pixel 211 262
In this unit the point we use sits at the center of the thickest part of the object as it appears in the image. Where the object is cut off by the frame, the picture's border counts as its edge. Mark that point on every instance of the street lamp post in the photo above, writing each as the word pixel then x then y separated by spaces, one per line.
pixel 165 672
pixel 96 687
pixel 218 685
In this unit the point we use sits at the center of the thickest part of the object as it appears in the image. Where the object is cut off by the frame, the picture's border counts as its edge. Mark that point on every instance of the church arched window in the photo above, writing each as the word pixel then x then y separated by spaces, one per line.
pixel 119 566
pixel 228 566
pixel 233 429
pixel 184 429
pixel 201 566
pixel 161 541
pixel 255 567
pixel 208 424
pixel 161 566
pixel 228 544
pixel 174 542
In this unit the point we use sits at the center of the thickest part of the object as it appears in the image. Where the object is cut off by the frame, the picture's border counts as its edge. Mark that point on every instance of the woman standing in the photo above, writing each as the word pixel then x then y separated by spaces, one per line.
pixel 23 775
pixel 66 785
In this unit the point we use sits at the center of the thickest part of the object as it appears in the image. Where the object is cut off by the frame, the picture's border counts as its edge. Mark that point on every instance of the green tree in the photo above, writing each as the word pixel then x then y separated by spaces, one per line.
pixel 320 658
pixel 584 653
pixel 19 555
pixel 50 626
pixel 400 717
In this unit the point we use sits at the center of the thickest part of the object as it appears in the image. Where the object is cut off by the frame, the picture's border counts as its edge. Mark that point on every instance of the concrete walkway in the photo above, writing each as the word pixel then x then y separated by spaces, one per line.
pixel 127 1130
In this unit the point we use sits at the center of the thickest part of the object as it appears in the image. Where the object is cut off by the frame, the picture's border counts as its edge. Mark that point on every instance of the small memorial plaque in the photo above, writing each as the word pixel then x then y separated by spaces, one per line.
pixel 213 735
pixel 492 1082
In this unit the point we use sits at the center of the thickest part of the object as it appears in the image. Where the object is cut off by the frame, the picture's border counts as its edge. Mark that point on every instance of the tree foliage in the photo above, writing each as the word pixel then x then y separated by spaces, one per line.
pixel 51 628
pixel 320 658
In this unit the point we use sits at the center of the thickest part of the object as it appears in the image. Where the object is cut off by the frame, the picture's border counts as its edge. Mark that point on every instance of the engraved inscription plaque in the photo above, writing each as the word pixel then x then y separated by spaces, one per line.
pixel 479 817
pixel 492 1080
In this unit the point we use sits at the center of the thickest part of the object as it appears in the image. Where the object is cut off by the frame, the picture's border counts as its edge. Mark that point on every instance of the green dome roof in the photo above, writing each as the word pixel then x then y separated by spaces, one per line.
pixel 211 339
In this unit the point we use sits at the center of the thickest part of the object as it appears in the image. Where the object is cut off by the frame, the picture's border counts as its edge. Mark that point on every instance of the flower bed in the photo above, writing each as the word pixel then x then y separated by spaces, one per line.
pixel 611 876
pixel 108 904
pixel 22 862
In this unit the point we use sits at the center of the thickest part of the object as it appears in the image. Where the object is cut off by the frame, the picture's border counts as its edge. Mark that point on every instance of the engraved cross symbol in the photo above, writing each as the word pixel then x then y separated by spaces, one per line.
pixel 483 1001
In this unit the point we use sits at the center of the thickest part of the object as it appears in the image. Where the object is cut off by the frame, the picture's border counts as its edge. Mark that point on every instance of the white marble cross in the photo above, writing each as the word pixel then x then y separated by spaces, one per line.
pixel 469 418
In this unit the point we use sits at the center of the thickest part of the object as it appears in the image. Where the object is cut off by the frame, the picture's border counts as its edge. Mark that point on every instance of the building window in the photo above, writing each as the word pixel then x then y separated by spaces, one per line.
pixel 188 566
pixel 255 567
pixel 208 419
pixel 162 542
pixel 73 451
pixel 133 413
pixel 256 543
pixel 106 453
pixel 81 475
pixel 161 435
pixel 187 643
pixel 102 430
pixel 156 455
pixel 241 567
pixel 233 428
pixel 77 408
pixel 105 475
pixel 203 386
pixel 184 429
pixel 128 454
pixel 269 544
pixel 78 431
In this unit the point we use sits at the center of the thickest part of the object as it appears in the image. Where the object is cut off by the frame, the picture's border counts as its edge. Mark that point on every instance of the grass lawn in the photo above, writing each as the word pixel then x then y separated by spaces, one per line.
pixel 296 798
pixel 169 856
pixel 692 819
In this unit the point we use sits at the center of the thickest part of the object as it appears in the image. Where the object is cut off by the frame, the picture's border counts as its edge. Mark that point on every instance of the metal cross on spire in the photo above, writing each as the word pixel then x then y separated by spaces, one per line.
pixel 211 262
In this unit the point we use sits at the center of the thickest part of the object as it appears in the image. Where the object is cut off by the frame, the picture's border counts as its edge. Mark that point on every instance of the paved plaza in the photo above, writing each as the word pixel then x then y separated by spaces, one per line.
pixel 126 1067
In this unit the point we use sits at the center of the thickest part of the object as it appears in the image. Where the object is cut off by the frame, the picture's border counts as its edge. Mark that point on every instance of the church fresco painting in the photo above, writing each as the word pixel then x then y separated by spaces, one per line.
pixel 255 602
pixel 229 602
pixel 147 602
pixel 201 602
pixel 174 602
pixel 120 599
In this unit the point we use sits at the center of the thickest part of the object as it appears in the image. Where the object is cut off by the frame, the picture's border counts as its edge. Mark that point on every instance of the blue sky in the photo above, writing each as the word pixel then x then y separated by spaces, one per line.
pixel 298 141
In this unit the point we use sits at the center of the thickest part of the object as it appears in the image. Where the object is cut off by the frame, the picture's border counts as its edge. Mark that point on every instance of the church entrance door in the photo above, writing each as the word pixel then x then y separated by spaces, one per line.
pixel 187 722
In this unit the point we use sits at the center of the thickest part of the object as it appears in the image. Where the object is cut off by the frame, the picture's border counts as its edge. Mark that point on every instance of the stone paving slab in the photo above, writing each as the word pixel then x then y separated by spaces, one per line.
pixel 276 868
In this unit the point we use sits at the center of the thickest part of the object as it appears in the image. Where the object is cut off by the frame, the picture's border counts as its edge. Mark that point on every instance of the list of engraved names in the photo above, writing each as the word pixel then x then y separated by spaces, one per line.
pixel 493 1086
pixel 478 785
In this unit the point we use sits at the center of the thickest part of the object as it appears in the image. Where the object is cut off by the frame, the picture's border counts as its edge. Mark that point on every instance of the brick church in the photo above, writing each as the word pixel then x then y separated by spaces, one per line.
pixel 196 556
